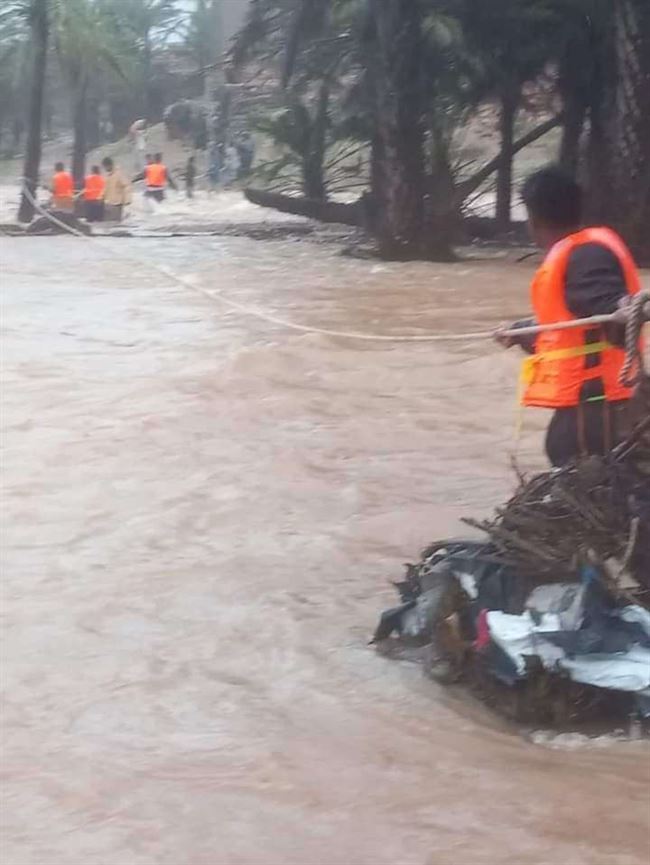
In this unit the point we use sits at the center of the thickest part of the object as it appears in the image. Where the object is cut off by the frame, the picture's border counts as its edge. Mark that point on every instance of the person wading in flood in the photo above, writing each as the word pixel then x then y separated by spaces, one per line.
pixel 156 177
pixel 94 186
pixel 117 192
pixel 62 189
pixel 586 271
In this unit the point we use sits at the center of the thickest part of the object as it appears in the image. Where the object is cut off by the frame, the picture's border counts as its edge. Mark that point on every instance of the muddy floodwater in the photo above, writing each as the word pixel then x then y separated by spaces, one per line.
pixel 202 512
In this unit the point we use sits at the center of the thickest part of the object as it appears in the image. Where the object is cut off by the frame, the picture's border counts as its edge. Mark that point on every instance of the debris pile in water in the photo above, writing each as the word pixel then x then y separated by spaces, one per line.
pixel 594 512
pixel 549 618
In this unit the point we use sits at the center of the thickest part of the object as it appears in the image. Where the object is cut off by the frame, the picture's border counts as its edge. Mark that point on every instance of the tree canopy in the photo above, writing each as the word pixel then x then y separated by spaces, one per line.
pixel 369 96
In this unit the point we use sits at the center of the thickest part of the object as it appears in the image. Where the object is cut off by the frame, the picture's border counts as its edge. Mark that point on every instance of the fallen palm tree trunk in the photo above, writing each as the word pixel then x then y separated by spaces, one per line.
pixel 361 214
pixel 322 211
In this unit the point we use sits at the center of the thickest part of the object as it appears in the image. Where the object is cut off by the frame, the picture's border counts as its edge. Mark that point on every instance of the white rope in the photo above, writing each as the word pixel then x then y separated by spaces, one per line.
pixel 303 328
pixel 248 310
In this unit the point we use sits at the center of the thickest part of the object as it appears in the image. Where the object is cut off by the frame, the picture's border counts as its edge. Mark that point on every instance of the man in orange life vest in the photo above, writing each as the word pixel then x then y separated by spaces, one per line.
pixel 586 272
pixel 94 186
pixel 62 188
pixel 156 177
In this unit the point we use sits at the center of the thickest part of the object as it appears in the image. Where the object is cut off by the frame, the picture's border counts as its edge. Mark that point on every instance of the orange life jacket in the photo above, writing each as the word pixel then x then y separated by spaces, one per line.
pixel 565 360
pixel 62 185
pixel 155 175
pixel 94 187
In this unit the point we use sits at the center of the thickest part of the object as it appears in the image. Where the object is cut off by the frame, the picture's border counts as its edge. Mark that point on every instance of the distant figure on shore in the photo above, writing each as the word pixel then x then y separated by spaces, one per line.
pixel 117 191
pixel 62 189
pixel 246 153
pixel 214 168
pixel 230 169
pixel 138 131
pixel 94 186
pixel 190 176
pixel 156 177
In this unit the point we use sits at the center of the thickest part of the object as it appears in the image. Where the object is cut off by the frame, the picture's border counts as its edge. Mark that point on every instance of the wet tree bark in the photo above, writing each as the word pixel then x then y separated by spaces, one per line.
pixel 620 134
pixel 395 65
pixel 577 82
pixel 79 143
pixel 314 185
pixel 572 130
pixel 93 130
pixel 39 25
pixel 508 115
pixel 575 101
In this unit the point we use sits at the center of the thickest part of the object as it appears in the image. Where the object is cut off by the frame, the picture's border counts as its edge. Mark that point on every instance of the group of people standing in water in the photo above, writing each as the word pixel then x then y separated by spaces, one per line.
pixel 107 191
pixel 104 196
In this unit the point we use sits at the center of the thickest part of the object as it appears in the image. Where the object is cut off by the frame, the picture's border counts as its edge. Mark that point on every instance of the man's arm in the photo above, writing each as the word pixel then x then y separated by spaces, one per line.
pixel 526 342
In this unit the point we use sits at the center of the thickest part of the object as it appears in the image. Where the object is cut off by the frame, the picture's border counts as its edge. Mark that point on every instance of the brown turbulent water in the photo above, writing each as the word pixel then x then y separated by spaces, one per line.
pixel 202 512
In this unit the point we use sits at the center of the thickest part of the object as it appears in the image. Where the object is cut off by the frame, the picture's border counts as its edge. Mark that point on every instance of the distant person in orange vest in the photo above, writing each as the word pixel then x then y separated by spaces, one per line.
pixel 575 372
pixel 94 187
pixel 156 177
pixel 62 189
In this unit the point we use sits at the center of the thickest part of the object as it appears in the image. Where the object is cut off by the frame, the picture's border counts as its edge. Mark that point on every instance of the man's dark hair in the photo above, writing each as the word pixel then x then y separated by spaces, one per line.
pixel 553 197
pixel 59 166
pixel 158 157
pixel 107 162
pixel 95 169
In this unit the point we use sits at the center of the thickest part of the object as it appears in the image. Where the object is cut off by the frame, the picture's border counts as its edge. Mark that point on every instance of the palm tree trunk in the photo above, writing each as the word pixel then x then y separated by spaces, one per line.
pixel 442 207
pixel 79 127
pixel 395 65
pixel 572 128
pixel 202 47
pixel 631 151
pixel 39 23
pixel 314 185
pixel 621 132
pixel 574 99
pixel 93 131
pixel 509 107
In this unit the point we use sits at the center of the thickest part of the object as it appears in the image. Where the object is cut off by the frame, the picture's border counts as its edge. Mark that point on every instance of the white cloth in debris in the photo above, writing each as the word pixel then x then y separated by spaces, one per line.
pixel 627 671
pixel 519 636
pixel 636 614
pixel 624 671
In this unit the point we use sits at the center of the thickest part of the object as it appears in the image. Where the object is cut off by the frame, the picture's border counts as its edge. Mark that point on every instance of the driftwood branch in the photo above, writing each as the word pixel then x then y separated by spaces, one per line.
pixel 467 187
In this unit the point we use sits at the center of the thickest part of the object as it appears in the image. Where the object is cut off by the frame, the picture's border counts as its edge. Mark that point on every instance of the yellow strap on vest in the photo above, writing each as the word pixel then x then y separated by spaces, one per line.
pixel 527 373
pixel 529 363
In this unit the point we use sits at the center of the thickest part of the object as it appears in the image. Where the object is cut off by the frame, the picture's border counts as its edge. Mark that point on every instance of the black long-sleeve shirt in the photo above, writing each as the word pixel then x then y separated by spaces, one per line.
pixel 594 285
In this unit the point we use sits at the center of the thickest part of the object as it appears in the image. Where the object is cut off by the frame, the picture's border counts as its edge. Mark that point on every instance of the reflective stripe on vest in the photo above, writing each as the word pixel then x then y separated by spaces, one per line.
pixel 94 187
pixel 155 175
pixel 62 185
pixel 554 376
